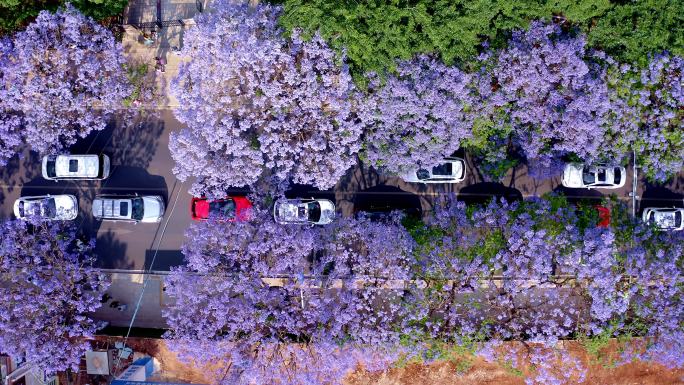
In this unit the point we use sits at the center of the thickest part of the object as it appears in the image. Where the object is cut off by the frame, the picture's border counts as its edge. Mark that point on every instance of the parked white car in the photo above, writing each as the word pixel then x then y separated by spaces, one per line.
pixel 453 170
pixel 664 218
pixel 51 207
pixel 75 167
pixel 578 175
pixel 304 211
pixel 145 209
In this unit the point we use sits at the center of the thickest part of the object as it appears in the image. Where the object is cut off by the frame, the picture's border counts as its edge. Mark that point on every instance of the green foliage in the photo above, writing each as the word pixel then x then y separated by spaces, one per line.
pixel 376 33
pixel 630 30
pixel 100 9
pixel 597 343
pixel 587 216
pixel 15 14
pixel 460 353
pixel 493 242
pixel 135 74
pixel 508 365
pixel 423 235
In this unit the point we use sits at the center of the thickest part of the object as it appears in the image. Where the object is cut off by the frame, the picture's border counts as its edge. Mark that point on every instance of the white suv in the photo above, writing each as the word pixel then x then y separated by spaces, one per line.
pixel 146 209
pixel 75 167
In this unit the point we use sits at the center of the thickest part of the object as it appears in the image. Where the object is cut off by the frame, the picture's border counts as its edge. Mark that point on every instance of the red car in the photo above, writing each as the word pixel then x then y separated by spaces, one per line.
pixel 225 209
pixel 604 216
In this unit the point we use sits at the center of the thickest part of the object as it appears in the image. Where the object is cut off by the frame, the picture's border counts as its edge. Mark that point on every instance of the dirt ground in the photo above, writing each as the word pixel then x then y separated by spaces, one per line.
pixel 482 373
pixel 475 372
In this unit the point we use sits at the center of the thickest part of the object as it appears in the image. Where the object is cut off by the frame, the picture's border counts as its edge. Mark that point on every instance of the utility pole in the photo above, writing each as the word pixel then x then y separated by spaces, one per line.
pixel 635 177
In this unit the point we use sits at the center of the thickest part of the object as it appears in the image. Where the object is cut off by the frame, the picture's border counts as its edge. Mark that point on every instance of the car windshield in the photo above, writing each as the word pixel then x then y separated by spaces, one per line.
pixel 314 209
pixel 617 175
pixel 423 174
pixel 442 169
pixel 137 208
pixel 588 177
pixel 223 208
pixel 678 219
pixel 50 169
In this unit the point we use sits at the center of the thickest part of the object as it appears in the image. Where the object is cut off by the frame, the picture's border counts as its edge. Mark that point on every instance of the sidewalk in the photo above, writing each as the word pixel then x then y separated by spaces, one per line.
pixel 175 16
pixel 127 288
pixel 162 47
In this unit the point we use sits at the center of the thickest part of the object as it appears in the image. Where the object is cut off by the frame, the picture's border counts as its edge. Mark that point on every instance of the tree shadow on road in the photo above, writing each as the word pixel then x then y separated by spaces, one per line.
pixel 659 196
pixel 383 199
pixel 482 193
pixel 19 169
pixel 135 139
pixel 111 253
pixel 576 195
pixel 128 180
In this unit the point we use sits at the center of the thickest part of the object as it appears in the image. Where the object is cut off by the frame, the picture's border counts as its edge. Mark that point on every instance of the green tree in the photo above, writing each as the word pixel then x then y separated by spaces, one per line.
pixel 632 30
pixel 15 14
pixel 375 33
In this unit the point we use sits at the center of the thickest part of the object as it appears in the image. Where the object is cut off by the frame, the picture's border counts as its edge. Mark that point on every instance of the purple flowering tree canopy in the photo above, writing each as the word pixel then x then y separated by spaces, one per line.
pixel 59 80
pixel 648 114
pixel 220 294
pixel 48 287
pixel 419 116
pixel 261 103
pixel 535 271
pixel 554 98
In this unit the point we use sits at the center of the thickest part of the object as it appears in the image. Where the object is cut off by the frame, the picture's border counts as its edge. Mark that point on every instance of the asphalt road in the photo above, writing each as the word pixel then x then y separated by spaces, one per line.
pixel 141 163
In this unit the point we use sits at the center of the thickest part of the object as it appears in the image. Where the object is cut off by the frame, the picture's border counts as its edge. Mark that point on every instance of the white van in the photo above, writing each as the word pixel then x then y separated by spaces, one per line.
pixel 75 167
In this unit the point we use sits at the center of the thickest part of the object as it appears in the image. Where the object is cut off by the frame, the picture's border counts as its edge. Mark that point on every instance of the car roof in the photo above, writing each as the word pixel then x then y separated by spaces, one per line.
pixel 86 165
pixel 111 207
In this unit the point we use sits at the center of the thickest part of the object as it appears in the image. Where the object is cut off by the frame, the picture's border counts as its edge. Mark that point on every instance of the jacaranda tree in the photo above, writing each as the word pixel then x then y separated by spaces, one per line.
pixel 60 79
pixel 260 103
pixel 275 299
pixel 554 98
pixel 648 114
pixel 419 116
pixel 288 327
pixel 48 287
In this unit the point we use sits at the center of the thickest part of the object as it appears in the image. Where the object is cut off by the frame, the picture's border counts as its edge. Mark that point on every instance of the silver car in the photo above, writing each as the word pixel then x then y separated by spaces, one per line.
pixel 664 218
pixel 145 209
pixel 304 211
pixel 50 207
pixel 75 167
pixel 452 170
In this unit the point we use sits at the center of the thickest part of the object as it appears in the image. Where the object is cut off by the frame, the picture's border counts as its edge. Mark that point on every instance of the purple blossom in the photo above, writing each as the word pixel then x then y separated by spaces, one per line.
pixel 61 79
pixel 419 116
pixel 52 289
pixel 555 100
pixel 261 103
pixel 649 104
